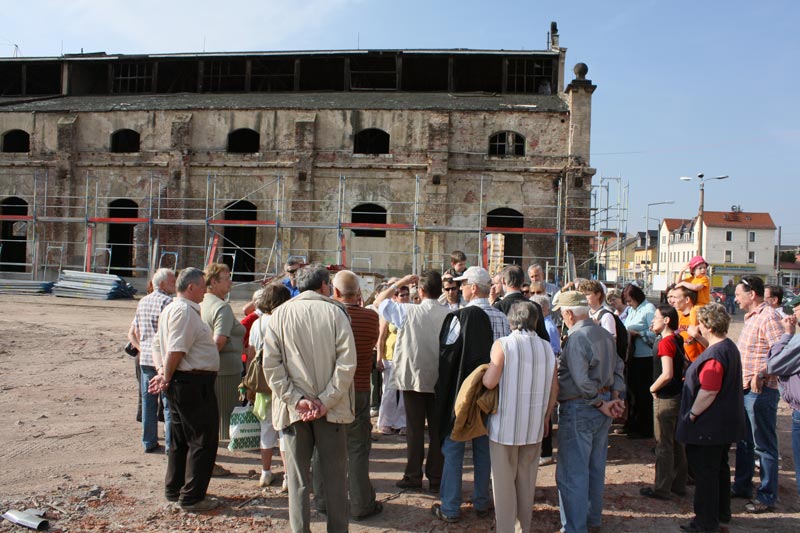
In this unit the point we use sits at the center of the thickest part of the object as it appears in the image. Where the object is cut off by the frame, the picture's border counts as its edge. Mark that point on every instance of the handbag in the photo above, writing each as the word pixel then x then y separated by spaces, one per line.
pixel 254 379
pixel 245 429
pixel 131 350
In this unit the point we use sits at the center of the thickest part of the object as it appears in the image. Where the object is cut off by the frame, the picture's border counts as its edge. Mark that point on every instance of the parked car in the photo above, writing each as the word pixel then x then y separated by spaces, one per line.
pixel 718 295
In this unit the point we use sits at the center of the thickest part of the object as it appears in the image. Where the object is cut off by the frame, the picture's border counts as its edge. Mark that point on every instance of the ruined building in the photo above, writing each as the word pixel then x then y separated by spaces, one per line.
pixel 382 160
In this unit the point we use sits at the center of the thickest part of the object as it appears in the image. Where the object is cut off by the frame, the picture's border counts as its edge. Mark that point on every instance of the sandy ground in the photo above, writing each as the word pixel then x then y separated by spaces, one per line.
pixel 70 444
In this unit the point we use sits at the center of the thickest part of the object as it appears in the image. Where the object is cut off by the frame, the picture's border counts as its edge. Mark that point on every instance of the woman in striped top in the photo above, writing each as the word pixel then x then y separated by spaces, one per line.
pixel 524 367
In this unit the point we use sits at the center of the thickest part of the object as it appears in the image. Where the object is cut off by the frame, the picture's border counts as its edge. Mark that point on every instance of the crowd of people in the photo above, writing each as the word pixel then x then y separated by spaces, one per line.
pixel 464 356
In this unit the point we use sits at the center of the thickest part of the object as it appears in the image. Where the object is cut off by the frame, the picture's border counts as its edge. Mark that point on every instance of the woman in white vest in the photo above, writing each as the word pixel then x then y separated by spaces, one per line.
pixel 524 367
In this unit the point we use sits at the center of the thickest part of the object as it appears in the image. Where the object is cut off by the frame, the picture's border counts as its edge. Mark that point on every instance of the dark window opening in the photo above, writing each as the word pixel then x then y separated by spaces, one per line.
pixel 120 236
pixel 16 141
pixel 478 73
pixel 505 217
pixel 322 74
pixel 177 77
pixel 42 78
pixel 224 76
pixel 368 214
pixel 578 183
pixel 10 79
pixel 88 77
pixel 371 141
pixel 132 77
pixel 424 73
pixel 272 75
pixel 13 236
pixel 373 72
pixel 507 143
pixel 240 241
pixel 530 75
pixel 244 141
pixel 125 142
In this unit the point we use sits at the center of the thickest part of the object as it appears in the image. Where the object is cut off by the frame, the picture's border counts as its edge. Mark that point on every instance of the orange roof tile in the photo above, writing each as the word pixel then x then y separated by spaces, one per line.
pixel 738 219
pixel 675 223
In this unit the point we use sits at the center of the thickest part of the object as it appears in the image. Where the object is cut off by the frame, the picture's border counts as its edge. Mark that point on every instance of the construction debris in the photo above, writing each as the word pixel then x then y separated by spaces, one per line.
pixel 73 284
pixel 25 286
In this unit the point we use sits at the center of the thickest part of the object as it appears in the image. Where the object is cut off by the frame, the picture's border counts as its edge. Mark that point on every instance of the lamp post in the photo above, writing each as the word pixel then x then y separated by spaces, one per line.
pixel 647 236
pixel 700 210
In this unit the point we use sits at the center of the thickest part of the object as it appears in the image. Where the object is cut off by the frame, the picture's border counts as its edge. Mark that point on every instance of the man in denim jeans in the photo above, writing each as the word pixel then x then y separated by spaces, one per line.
pixel 590 382
pixel 762 329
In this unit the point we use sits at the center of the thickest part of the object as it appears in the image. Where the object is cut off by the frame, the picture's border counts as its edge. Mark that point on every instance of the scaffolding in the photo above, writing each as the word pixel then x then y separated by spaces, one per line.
pixel 74 230
pixel 609 221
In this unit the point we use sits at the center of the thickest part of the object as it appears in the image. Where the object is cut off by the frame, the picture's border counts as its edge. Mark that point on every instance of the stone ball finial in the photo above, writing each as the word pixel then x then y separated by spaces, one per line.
pixel 581 70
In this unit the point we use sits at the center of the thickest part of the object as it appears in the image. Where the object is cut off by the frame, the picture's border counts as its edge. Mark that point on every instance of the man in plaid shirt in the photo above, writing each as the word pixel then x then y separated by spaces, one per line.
pixel 762 329
pixel 142 333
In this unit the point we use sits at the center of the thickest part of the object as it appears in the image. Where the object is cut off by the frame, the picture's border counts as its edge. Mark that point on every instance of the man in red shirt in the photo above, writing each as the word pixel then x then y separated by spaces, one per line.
pixel 365 325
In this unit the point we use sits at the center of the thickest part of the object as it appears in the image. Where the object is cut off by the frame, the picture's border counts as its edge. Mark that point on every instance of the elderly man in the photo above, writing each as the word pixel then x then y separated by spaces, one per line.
pixel 465 348
pixel 185 345
pixel 590 382
pixel 513 278
pixel 142 333
pixel 762 328
pixel 784 361
pixel 416 369
pixel 290 280
pixel 536 273
pixel 309 361
pixel 347 291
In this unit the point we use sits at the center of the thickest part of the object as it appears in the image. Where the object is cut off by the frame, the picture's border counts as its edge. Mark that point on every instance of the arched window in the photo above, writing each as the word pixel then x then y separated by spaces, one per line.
pixel 125 141
pixel 120 236
pixel 505 217
pixel 13 235
pixel 371 141
pixel 239 252
pixel 368 214
pixel 16 141
pixel 244 141
pixel 507 143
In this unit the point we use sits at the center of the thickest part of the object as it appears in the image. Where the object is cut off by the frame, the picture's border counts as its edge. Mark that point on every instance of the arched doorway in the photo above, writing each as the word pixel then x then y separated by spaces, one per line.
pixel 13 236
pixel 370 214
pixel 371 141
pixel 120 236
pixel 16 141
pixel 125 141
pixel 505 217
pixel 240 241
pixel 244 141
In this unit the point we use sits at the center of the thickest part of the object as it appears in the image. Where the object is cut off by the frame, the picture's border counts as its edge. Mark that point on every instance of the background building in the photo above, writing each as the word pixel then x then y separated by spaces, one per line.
pixel 381 160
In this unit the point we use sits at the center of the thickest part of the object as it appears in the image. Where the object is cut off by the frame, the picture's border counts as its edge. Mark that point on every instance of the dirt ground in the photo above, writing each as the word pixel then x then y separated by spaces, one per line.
pixel 70 445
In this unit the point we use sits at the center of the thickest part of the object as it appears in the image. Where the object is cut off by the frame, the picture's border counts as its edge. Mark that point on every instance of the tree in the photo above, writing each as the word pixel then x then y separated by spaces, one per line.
pixel 788 257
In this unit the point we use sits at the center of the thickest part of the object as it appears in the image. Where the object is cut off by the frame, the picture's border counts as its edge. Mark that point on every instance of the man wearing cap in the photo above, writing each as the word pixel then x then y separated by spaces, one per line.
pixel 471 332
pixel 784 361
pixel 590 382
pixel 290 281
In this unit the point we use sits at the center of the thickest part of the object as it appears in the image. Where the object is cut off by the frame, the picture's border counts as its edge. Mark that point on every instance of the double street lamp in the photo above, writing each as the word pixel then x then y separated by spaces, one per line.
pixel 700 211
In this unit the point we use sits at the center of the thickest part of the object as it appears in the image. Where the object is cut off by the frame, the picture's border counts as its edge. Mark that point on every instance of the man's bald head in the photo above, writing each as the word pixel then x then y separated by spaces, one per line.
pixel 347 285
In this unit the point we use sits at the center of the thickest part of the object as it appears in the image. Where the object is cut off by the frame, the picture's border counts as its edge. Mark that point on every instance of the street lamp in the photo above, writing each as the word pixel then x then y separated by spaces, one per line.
pixel 647 233
pixel 700 211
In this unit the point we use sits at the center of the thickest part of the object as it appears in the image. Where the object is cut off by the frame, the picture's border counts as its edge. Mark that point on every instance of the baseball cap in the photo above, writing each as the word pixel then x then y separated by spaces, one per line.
pixel 569 299
pixel 475 274
pixel 789 307
pixel 695 261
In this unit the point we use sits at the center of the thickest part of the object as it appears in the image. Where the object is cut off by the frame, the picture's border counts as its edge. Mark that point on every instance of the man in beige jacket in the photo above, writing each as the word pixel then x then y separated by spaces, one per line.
pixel 309 361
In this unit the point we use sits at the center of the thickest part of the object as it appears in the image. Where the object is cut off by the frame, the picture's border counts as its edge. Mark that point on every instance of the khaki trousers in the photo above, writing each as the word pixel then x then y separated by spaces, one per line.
pixel 514 470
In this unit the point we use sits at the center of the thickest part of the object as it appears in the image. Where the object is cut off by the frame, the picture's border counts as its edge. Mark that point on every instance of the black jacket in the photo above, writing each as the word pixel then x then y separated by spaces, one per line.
pixel 505 306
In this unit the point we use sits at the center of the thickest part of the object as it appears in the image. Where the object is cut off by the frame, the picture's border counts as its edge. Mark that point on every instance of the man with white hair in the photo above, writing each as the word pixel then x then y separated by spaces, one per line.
pixel 536 273
pixel 590 382
pixel 142 333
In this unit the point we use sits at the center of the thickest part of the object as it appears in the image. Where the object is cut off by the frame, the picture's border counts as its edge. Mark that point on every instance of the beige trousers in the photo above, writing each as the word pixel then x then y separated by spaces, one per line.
pixel 514 470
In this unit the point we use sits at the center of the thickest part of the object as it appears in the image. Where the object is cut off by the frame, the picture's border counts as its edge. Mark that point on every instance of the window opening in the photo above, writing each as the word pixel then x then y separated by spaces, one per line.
pixel 751 257
pixel 125 142
pixel 530 75
pixel 240 241
pixel 373 72
pixel 368 214
pixel 244 141
pixel 371 141
pixel 132 77
pixel 16 141
pixel 13 236
pixel 224 76
pixel 507 143
pixel 728 235
pixel 728 256
pixel 120 236
pixel 272 75
pixel 505 217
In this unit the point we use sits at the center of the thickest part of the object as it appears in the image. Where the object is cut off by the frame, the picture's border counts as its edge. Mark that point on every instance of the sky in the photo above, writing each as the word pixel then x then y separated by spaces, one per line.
pixel 683 87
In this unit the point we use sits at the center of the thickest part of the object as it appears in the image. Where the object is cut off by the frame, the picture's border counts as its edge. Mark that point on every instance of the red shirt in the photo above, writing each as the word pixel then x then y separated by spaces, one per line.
pixel 248 322
pixel 365 324
pixel 711 375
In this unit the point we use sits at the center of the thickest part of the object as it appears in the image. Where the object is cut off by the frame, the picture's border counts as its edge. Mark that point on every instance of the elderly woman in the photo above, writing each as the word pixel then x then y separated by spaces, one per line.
pixel 524 367
pixel 228 336
pixel 640 362
pixel 712 417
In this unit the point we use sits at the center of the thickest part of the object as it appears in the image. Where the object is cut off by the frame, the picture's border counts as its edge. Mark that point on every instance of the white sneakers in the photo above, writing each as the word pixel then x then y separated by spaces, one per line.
pixel 266 478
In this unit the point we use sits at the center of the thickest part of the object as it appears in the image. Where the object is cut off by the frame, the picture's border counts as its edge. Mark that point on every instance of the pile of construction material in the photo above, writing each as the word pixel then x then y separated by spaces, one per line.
pixel 25 286
pixel 73 284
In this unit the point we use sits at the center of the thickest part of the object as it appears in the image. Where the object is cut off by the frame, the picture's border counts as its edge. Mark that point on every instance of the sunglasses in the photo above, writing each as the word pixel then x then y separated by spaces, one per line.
pixel 448 289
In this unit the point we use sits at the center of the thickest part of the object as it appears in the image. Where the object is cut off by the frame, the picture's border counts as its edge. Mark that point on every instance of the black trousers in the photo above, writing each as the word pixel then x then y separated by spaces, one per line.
pixel 419 408
pixel 640 377
pixel 712 478
pixel 377 383
pixel 547 442
pixel 195 436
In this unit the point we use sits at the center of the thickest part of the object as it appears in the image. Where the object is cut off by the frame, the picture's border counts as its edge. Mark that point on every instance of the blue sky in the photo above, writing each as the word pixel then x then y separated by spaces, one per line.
pixel 682 86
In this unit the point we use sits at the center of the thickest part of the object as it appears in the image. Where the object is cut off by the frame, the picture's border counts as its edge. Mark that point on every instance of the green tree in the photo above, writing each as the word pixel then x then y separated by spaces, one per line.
pixel 788 257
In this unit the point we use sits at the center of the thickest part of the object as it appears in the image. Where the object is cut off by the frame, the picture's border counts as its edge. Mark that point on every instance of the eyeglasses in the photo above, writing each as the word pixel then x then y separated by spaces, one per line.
pixel 526 292
pixel 448 289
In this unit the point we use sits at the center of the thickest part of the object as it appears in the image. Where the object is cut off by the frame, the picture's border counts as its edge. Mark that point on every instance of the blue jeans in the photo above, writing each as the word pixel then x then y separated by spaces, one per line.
pixel 796 446
pixel 761 438
pixel 450 491
pixel 150 412
pixel 581 467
